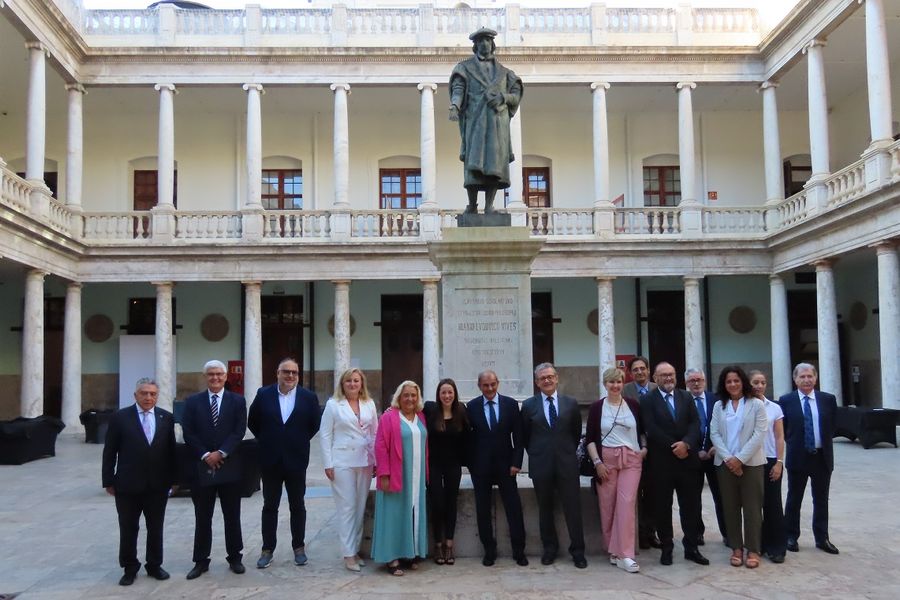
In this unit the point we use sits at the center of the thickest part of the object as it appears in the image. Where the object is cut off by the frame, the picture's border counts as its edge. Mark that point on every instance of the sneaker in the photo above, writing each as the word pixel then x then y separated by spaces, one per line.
pixel 300 557
pixel 265 559
pixel 628 565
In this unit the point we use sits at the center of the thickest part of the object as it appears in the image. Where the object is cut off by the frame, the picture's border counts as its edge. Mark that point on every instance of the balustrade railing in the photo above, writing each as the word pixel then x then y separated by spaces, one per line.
pixel 278 21
pixel 895 161
pixel 554 20
pixel 641 20
pixel 385 223
pixel 16 192
pixel 210 22
pixel 467 20
pixel 648 220
pixel 846 184
pixel 207 225
pixel 120 22
pixel 291 224
pixel 135 226
pixel 59 216
pixel 383 21
pixel 792 210
pixel 559 221
pixel 741 221
pixel 725 20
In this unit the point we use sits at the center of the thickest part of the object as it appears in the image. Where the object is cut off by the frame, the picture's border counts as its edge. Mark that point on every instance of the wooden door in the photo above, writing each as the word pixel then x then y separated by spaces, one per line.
pixel 401 344
pixel 541 329
pixel 54 316
pixel 282 335
pixel 665 327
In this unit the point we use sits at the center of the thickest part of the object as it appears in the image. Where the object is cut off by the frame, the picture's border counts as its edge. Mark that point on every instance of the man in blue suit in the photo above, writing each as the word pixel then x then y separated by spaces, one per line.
pixel 808 429
pixel 284 417
pixel 705 402
pixel 496 453
pixel 214 423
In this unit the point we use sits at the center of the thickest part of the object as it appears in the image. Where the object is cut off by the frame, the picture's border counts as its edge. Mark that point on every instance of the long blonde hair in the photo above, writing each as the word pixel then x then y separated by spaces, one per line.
pixel 339 387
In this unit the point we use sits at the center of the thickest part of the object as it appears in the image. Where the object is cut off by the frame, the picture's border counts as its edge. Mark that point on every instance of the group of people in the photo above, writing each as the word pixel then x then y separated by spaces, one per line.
pixel 416 450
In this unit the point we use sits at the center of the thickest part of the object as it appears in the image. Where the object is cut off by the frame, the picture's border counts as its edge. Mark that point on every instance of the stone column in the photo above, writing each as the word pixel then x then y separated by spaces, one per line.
pixel 819 148
pixel 693 324
pixel 32 393
pixel 429 213
pixel 341 327
pixel 431 348
pixel 36 122
pixel 686 154
pixel 889 321
pixel 603 208
pixel 71 367
pixel 878 72
pixel 516 207
pixel 74 147
pixel 165 160
pixel 772 144
pixel 826 314
pixel 165 348
pixel 606 329
pixel 253 337
pixel 254 146
pixel 340 214
pixel 781 343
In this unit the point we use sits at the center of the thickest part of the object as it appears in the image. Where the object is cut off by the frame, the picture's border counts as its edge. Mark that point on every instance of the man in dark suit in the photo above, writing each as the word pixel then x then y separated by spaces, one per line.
pixel 673 438
pixel 214 423
pixel 284 417
pixel 639 367
pixel 495 459
pixel 551 431
pixel 705 402
pixel 139 469
pixel 808 429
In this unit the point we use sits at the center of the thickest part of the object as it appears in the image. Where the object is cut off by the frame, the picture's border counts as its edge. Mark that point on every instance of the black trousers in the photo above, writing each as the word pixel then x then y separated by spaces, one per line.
pixel 130 507
pixel 709 469
pixel 443 490
pixel 645 509
pixel 512 505
pixel 685 482
pixel 568 489
pixel 774 538
pixel 204 498
pixel 273 480
pixel 819 474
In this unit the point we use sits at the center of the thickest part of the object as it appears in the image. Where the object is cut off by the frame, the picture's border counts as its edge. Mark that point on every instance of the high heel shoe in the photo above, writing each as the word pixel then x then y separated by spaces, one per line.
pixel 449 557
pixel 439 554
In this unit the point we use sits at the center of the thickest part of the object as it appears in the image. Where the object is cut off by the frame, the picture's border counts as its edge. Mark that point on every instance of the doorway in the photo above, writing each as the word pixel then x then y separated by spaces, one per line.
pixel 401 343
pixel 282 335
pixel 54 318
pixel 665 330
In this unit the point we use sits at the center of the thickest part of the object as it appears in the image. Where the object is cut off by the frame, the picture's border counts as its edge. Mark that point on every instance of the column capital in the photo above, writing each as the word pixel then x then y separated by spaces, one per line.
pixel 690 85
pixel 36 274
pixel 421 87
pixel 165 86
pixel 341 282
pixel 254 86
pixel 343 86
pixel 604 278
pixel 35 45
pixel 251 283
pixel 768 84
pixel 163 284
pixel 775 277
pixel 599 85
pixel 692 279
pixel 813 43
pixel 75 87
pixel 426 281
pixel 74 285
pixel 885 246
pixel 824 264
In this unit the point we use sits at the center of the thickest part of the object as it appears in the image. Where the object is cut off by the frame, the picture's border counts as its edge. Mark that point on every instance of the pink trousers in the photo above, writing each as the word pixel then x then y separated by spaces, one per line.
pixel 617 498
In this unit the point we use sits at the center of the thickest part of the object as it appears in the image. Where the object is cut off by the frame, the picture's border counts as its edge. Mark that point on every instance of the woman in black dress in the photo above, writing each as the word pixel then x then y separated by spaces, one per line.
pixel 448 430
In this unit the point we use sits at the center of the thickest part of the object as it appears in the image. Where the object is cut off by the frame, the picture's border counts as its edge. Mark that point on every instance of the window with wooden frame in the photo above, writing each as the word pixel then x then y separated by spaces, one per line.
pixel 400 188
pixel 795 177
pixel 662 186
pixel 146 189
pixel 536 187
pixel 282 189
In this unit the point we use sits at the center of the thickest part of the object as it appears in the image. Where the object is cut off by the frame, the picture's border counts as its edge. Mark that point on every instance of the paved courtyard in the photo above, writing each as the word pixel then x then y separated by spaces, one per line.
pixel 58 540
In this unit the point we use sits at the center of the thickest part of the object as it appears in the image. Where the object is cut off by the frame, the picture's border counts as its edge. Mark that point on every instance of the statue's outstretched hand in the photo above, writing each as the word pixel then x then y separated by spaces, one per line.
pixel 454 113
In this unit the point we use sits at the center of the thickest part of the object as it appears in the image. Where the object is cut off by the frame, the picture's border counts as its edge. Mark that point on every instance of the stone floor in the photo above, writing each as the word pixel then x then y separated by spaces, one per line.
pixel 58 540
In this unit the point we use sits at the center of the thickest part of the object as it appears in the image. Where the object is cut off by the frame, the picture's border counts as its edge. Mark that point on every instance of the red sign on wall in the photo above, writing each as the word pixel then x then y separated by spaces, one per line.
pixel 235 380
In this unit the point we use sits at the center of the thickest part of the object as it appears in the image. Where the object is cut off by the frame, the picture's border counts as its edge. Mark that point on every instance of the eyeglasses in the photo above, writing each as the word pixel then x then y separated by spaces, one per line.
pixel 700 380
pixel 289 373
pixel 547 378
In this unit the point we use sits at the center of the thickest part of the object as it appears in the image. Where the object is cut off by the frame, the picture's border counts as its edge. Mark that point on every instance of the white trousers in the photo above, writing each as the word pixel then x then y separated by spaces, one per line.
pixel 350 489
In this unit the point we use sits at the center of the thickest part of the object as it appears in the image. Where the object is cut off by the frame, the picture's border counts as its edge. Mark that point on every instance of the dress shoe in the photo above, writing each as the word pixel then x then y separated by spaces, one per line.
pixel 127 578
pixel 828 547
pixel 695 556
pixel 701 541
pixel 158 573
pixel 792 545
pixel 580 562
pixel 300 558
pixel 521 560
pixel 666 557
pixel 547 558
pixel 489 559
pixel 777 558
pixel 265 559
pixel 237 567
pixel 198 570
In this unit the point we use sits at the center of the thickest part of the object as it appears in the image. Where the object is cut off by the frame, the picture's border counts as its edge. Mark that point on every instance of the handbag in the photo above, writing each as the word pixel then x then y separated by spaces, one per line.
pixel 585 464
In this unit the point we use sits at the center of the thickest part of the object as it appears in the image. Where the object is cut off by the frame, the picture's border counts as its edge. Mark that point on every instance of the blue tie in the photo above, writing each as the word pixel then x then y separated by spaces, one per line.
pixel 493 421
pixel 809 434
pixel 552 412
pixel 701 410
pixel 670 405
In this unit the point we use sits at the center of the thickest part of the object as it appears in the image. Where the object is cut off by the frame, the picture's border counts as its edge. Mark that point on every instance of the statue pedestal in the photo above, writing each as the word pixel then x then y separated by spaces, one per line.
pixel 484 220
pixel 486 302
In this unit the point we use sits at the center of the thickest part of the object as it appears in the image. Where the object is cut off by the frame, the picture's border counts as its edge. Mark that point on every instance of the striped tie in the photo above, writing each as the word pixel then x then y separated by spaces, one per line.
pixel 214 408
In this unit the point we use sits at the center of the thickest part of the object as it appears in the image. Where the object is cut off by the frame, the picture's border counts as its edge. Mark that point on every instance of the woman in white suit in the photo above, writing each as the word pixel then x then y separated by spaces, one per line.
pixel 737 430
pixel 347 435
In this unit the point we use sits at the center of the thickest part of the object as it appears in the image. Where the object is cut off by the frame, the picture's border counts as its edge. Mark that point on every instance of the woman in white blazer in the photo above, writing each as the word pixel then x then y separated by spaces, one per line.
pixel 737 430
pixel 347 435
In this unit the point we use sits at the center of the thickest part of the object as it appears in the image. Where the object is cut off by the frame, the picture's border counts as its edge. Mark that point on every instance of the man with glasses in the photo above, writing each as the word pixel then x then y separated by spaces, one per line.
pixel 705 401
pixel 284 417
pixel 673 437
pixel 551 430
pixel 214 423
pixel 639 368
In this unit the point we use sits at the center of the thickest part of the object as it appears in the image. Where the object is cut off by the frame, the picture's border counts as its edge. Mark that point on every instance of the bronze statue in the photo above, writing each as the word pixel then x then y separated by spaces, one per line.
pixel 484 96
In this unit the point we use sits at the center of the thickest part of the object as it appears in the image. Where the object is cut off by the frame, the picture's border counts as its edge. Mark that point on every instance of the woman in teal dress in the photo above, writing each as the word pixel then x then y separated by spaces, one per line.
pixel 401 463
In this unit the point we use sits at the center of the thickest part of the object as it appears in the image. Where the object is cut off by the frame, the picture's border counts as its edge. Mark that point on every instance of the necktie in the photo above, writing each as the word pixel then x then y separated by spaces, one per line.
pixel 809 434
pixel 670 405
pixel 145 423
pixel 214 408
pixel 701 410
pixel 552 412
pixel 493 422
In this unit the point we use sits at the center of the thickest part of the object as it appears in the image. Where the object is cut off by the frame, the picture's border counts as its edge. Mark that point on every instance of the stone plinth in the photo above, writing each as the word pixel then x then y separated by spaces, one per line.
pixel 486 301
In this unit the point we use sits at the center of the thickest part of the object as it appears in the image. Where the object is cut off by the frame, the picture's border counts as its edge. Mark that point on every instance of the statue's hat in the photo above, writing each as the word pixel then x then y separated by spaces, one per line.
pixel 483 32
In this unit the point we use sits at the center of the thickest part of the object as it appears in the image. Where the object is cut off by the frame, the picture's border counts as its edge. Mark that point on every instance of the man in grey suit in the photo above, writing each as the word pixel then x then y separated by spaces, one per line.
pixel 639 367
pixel 551 430
pixel 640 383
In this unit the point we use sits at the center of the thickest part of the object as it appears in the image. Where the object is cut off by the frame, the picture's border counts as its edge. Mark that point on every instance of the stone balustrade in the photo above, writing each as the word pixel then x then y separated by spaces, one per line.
pixel 207 225
pixel 16 192
pixel 647 220
pixel 560 222
pixel 846 184
pixel 385 223
pixel 424 25
pixel 734 220
pixel 895 162
pixel 131 227
pixel 791 211
pixel 293 224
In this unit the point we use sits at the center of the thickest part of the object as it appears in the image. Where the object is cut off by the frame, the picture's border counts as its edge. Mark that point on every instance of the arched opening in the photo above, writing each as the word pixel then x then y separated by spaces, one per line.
pixel 282 183
pixel 797 171
pixel 661 175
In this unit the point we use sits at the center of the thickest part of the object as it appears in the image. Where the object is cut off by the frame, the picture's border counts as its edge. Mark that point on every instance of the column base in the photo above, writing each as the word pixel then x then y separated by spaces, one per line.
pixel 878 165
